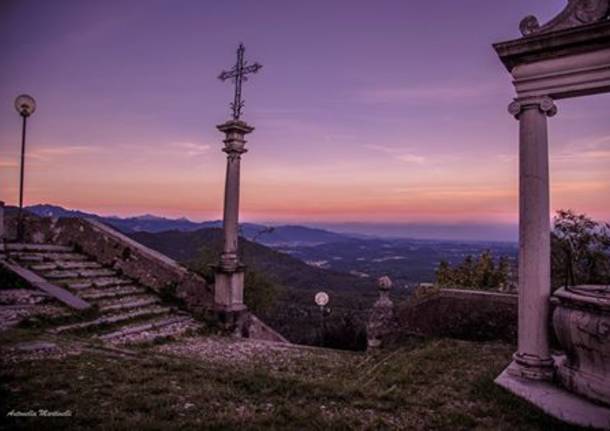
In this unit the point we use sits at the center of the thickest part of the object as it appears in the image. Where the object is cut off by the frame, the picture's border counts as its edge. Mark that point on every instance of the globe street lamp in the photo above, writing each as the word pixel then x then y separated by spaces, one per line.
pixel 25 106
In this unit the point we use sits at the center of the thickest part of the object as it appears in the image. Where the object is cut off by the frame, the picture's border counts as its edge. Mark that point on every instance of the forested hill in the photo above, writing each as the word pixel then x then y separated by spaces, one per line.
pixel 202 247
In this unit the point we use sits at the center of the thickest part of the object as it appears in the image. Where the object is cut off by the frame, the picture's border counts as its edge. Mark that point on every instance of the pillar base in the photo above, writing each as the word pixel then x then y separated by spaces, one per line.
pixel 236 322
pixel 229 289
pixel 556 401
pixel 531 367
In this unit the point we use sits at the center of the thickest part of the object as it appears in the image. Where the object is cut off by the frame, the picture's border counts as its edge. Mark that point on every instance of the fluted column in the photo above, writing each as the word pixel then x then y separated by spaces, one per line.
pixel 229 284
pixel 532 359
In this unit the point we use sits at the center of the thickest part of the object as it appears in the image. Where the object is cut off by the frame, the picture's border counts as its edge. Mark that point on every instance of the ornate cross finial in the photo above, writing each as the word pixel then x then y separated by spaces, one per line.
pixel 238 73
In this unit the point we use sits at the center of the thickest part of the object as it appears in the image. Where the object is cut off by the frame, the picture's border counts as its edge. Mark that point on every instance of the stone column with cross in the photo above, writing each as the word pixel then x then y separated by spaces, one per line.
pixel 229 282
pixel 533 359
pixel 229 273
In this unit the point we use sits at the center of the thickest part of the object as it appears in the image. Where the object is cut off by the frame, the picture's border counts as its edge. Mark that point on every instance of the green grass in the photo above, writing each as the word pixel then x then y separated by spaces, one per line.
pixel 431 384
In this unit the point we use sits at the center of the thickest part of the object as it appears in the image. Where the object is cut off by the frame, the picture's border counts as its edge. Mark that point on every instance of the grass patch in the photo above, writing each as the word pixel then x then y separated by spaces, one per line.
pixel 433 384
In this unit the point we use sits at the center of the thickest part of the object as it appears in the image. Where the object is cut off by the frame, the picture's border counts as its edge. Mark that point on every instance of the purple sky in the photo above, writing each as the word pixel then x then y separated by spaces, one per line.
pixel 364 110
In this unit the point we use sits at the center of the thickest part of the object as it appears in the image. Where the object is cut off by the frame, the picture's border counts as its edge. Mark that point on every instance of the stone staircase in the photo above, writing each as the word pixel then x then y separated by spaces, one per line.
pixel 124 311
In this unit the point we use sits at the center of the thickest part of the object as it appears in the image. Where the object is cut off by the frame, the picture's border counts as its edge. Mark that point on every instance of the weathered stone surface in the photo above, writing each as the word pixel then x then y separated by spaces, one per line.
pixel 96 294
pixel 144 332
pixel 138 265
pixel 582 324
pixel 40 283
pixel 556 401
pixel 113 319
pixel 464 314
pixel 59 274
pixel 126 305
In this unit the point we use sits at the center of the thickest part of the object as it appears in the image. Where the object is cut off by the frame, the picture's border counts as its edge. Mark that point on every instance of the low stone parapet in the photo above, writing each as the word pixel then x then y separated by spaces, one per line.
pixel 466 314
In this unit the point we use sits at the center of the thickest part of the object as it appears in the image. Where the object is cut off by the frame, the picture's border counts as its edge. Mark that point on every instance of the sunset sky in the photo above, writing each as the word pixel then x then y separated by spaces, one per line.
pixel 373 111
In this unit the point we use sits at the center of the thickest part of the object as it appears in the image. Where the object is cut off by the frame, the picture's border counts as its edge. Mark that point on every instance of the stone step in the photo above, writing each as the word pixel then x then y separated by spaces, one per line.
pixel 113 319
pixel 27 257
pixel 58 274
pixel 110 281
pixel 138 303
pixel 111 292
pixel 49 257
pixel 48 266
pixel 39 247
pixel 79 273
pixel 94 273
pixel 126 299
pixel 67 264
pixel 139 329
pixel 170 332
pixel 87 283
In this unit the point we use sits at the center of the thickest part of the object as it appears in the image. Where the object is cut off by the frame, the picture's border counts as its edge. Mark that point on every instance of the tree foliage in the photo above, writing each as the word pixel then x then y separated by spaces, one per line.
pixel 481 273
pixel 580 250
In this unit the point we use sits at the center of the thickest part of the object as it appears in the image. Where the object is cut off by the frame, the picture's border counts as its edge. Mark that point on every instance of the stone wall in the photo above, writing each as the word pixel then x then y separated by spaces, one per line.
pixel 114 249
pixel 150 268
pixel 465 314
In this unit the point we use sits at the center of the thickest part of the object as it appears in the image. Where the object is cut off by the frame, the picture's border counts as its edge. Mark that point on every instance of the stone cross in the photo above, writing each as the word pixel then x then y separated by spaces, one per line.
pixel 229 273
pixel 238 74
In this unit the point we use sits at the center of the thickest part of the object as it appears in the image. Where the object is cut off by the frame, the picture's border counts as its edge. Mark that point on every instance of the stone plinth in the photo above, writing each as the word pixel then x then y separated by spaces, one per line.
pixel 582 324
pixel 557 401
pixel 229 289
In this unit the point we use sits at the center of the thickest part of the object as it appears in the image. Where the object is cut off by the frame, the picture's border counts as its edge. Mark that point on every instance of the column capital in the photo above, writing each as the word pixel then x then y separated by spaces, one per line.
pixel 234 141
pixel 545 104
pixel 235 126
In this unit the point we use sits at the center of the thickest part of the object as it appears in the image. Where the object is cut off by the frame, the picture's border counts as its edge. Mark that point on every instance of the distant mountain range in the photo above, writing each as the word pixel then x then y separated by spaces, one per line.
pixel 204 246
pixel 287 235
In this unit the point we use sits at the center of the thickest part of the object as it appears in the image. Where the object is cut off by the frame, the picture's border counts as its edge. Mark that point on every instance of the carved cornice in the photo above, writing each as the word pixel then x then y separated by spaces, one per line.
pixel 576 13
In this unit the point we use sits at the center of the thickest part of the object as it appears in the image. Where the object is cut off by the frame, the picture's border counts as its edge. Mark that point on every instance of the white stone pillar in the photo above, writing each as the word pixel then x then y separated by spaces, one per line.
pixel 229 280
pixel 532 359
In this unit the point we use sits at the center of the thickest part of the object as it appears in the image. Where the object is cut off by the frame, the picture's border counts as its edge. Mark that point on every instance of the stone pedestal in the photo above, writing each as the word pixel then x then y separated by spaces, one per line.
pixel 532 359
pixel 229 273
pixel 229 289
pixel 581 321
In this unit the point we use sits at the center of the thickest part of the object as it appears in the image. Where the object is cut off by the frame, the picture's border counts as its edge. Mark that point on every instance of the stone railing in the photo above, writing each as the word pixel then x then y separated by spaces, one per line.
pixel 112 248
pixel 431 311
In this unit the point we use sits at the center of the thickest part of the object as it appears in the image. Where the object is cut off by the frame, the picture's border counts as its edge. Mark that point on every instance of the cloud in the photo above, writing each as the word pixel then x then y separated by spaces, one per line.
pixel 8 164
pixel 48 153
pixel 191 149
pixel 594 150
pixel 429 93
pixel 411 158
pixel 398 154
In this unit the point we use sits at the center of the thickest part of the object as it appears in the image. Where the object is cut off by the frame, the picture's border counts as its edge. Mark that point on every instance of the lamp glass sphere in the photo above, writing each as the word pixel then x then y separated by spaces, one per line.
pixel 25 105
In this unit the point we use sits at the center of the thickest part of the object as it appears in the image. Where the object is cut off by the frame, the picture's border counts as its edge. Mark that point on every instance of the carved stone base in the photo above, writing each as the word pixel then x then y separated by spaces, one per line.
pixel 589 385
pixel 582 324
pixel 236 322
pixel 229 290
pixel 531 367
pixel 556 401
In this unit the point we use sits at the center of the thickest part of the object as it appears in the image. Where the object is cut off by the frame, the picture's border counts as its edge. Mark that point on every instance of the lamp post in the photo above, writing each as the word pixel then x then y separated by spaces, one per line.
pixel 25 106
pixel 321 299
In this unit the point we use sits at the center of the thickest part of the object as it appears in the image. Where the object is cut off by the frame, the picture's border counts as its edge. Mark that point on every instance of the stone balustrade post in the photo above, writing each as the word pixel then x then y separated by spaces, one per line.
pixel 532 359
pixel 381 320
